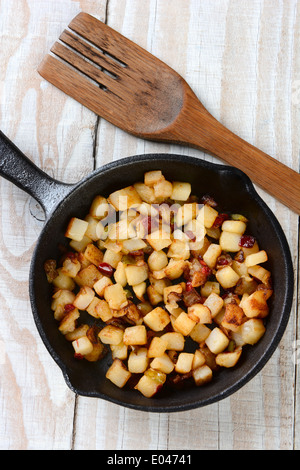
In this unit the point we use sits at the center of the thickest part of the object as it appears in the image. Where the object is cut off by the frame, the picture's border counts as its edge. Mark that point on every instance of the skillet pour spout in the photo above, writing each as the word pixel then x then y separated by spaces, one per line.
pixel 233 191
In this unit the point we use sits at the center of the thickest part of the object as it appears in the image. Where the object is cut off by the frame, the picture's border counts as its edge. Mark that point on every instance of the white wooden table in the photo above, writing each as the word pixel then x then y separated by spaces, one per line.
pixel 242 58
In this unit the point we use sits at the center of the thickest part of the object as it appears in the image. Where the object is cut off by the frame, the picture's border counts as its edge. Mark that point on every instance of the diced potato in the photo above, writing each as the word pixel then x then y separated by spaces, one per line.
pixel 209 287
pixel 99 308
pixel 71 267
pixel 145 192
pixel 120 230
pixel 84 298
pixel 179 250
pixel 133 244
pixel 260 273
pixel 149 384
pixel 233 318
pixel 101 285
pixel 140 290
pixel 77 333
pixel 198 359
pixel 234 226
pixel 229 359
pixel 163 363
pixel 138 361
pixel 115 296
pixel 120 274
pixel 229 241
pixel 157 347
pixel 153 177
pixel 250 251
pixel 119 351
pixel 207 215
pixel 175 268
pixel 163 189
pixel 62 281
pixel 217 341
pixel 183 324
pixel 111 334
pixel 82 346
pixel 175 340
pixel 256 258
pixel 136 274
pixel 118 374
pixel 227 277
pixel 184 363
pixel 200 313
pixel 177 288
pixel 200 332
pixel 157 319
pixel 159 239
pixel 154 296
pixel 212 254
pixel 88 276
pixel 255 305
pixel 112 258
pixel 68 322
pixel 81 245
pixel 99 207
pixel 252 330
pixel 202 375
pixel 124 198
pixel 214 302
pixel 61 298
pixel 157 260
pixel 240 268
pixel 76 229
pixel 92 231
pixel 181 191
pixel 135 335
pixel 186 213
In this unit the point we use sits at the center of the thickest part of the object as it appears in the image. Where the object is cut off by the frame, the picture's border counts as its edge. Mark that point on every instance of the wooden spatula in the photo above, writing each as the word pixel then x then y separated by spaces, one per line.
pixel 132 89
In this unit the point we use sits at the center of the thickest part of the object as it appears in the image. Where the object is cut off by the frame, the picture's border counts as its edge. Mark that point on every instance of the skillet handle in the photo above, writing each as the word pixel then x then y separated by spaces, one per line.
pixel 17 168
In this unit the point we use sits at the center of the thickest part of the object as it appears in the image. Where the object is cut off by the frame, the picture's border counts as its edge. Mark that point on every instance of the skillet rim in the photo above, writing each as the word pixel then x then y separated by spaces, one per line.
pixel 285 311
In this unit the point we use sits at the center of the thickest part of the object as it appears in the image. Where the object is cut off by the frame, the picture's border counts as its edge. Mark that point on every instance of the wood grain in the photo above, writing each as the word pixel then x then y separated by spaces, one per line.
pixel 242 59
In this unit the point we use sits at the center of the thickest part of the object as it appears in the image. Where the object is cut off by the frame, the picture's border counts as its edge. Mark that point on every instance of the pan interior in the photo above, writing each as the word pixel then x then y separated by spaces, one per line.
pixel 234 193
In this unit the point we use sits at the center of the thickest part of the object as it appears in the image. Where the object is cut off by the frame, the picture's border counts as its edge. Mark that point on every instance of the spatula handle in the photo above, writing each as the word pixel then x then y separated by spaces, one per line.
pixel 203 131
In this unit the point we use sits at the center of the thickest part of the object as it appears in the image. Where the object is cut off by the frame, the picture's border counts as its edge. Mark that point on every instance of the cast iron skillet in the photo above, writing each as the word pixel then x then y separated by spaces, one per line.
pixel 234 192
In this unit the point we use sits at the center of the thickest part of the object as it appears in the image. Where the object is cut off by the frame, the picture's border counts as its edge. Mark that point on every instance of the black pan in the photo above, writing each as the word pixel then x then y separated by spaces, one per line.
pixel 234 192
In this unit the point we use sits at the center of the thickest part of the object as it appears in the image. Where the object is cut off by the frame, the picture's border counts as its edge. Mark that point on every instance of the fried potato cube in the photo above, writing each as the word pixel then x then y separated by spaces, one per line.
pixel 82 346
pixel 150 383
pixel 233 318
pixel 183 324
pixel 175 268
pixel 199 313
pixel 157 260
pixel 76 229
pixel 140 290
pixel 217 341
pixel 118 373
pixel 99 308
pixel 202 375
pixel 181 191
pixel 212 254
pixel 209 287
pixel 111 334
pixel 186 213
pixel 138 361
pixel 157 319
pixel 200 332
pixel 207 215
pixel 198 359
pixel 124 198
pixel 227 277
pixel 229 241
pixel 120 274
pixel 163 189
pixel 112 258
pixel 81 245
pixel 177 288
pixel 135 335
pixel 62 281
pixel 115 296
pixel 159 239
pixel 157 347
pixel 61 298
pixel 77 333
pixel 229 359
pixel 119 351
pixel 252 330
pixel 145 192
pixel 163 363
pixel 234 226
pixel 175 340
pixel 152 177
pixel 184 363
pixel 68 322
pixel 84 298
pixel 101 285
pixel 88 276
pixel 71 267
pixel 154 296
pixel 93 254
pixel 99 207
pixel 256 258
pixel 260 273
pixel 179 249
pixel 136 274
pixel 215 303
pixel 255 305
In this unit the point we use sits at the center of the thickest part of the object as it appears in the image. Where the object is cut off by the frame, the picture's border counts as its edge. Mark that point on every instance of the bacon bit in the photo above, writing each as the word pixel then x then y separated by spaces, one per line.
pixel 247 241
pixel 136 253
pixel 68 308
pixel 192 297
pixel 106 269
pixel 188 286
pixel 208 200
pixel 219 220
